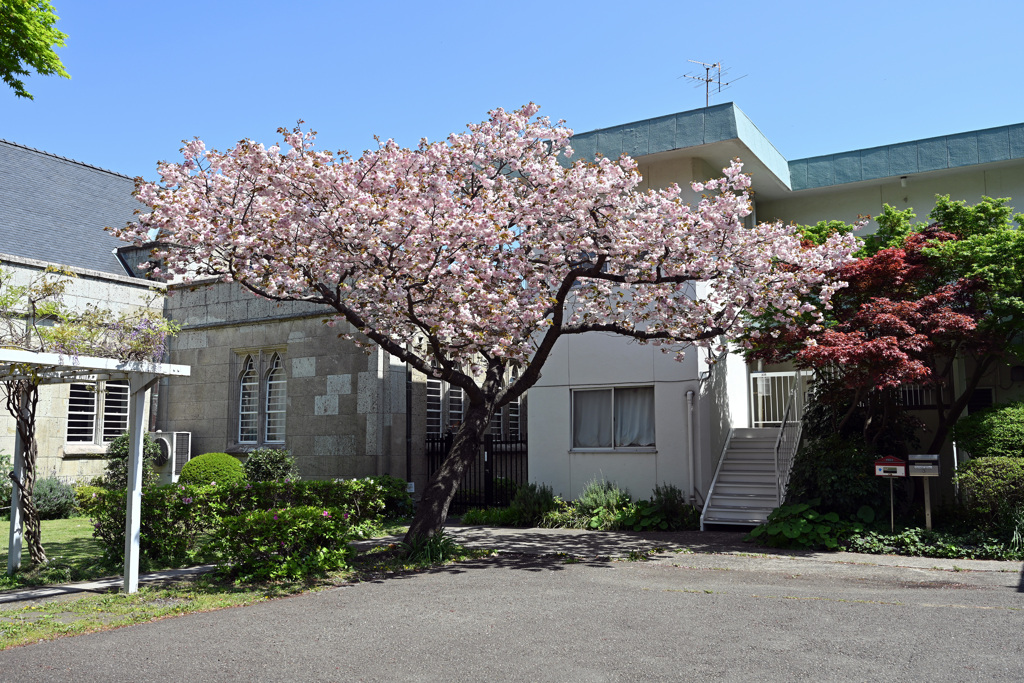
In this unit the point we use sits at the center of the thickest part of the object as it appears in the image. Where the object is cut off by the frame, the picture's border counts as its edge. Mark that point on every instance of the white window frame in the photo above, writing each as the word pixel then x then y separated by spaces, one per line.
pixel 613 447
pixel 260 377
pixel 275 406
pixel 107 412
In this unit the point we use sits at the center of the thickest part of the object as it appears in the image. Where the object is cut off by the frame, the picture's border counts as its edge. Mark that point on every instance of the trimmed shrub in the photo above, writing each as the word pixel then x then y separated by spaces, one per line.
pixel 54 499
pixel 270 464
pixel 209 468
pixel 993 432
pixel 287 543
pixel 174 520
pixel 993 488
pixel 116 476
pixel 397 501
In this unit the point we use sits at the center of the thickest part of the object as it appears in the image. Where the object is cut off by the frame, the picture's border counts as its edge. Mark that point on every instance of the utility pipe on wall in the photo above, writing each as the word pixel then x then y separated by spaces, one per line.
pixel 690 454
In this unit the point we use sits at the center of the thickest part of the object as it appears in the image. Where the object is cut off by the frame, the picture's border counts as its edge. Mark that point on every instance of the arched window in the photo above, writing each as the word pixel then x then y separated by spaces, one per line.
pixel 248 402
pixel 277 399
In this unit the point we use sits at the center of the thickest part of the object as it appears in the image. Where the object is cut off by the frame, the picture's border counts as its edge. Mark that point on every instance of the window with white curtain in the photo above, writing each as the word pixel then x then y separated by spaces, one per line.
pixel 616 417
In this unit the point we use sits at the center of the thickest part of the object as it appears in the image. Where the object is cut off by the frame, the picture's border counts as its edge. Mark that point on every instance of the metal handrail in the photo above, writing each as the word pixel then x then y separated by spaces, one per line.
pixel 793 406
pixel 714 480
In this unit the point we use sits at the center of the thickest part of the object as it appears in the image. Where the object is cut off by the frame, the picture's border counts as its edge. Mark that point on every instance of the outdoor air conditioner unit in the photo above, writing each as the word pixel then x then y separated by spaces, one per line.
pixel 175 451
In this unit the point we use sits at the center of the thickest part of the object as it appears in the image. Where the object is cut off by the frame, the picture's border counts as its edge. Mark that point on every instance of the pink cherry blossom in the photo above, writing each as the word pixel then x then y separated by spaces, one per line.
pixel 473 255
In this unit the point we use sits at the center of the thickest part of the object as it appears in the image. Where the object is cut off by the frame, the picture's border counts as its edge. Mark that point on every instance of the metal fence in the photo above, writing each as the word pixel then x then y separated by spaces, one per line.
pixel 769 395
pixel 493 478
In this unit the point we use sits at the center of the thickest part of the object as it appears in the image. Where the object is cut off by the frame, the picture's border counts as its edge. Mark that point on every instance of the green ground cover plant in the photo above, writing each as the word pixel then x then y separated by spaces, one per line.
pixel 601 506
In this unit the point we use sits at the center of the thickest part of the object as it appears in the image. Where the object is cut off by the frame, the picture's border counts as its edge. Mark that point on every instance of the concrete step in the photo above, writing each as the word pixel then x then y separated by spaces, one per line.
pixel 736 515
pixel 746 488
pixel 761 503
pixel 754 433
pixel 749 466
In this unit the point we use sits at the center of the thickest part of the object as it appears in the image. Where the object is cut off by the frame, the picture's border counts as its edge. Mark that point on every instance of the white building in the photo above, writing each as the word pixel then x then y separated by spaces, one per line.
pixel 692 413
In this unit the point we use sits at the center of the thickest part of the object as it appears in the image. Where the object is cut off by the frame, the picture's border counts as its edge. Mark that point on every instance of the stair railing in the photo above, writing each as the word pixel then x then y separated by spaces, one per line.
pixel 788 441
pixel 714 480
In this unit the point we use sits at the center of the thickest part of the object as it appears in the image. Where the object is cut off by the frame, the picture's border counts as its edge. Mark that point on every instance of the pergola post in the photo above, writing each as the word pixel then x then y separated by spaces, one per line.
pixel 133 518
pixel 52 368
pixel 14 540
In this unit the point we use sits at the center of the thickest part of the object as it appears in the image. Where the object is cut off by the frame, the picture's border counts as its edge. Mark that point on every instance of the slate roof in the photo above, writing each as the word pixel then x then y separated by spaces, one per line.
pixel 54 209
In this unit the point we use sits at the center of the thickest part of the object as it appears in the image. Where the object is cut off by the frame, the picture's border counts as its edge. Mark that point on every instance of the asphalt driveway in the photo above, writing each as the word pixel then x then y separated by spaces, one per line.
pixel 690 613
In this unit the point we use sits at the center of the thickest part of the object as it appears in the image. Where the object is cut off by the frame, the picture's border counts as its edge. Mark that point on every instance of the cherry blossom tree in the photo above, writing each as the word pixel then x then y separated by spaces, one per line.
pixel 468 257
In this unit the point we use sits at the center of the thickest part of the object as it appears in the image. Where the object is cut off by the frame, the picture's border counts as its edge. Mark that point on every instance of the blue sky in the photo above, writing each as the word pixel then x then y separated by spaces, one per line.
pixel 820 77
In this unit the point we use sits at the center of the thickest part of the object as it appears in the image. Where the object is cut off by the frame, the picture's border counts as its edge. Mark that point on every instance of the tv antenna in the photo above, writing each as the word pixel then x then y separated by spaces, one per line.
pixel 712 79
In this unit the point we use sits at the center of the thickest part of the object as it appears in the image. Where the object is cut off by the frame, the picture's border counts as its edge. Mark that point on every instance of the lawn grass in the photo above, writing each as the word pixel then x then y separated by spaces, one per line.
pixel 73 554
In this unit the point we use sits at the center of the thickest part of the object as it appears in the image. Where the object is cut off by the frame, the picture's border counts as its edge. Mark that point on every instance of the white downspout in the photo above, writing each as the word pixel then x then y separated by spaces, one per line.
pixel 690 453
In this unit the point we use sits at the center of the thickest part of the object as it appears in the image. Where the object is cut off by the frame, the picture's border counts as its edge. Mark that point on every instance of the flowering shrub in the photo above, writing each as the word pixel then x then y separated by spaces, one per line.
pixel 286 543
pixel 88 497
pixel 174 517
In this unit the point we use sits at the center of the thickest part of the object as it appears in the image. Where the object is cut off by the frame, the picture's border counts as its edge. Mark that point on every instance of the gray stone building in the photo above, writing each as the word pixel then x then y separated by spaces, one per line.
pixel 270 374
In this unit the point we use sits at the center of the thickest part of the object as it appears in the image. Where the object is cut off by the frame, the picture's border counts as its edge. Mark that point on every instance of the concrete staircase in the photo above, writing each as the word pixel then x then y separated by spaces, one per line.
pixel 744 491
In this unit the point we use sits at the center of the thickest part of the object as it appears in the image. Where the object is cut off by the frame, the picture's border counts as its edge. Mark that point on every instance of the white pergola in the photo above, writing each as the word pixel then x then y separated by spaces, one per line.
pixel 51 368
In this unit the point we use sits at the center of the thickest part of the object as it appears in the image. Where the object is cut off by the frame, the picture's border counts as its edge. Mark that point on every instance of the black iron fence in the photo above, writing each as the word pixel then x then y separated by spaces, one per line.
pixel 493 478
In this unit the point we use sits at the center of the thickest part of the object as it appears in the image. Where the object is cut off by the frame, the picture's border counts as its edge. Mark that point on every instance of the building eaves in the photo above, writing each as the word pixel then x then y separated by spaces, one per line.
pixel 945 152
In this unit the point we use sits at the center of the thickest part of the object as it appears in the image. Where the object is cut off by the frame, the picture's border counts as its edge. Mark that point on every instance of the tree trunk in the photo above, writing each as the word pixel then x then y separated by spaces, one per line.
pixel 948 417
pixel 432 510
pixel 22 398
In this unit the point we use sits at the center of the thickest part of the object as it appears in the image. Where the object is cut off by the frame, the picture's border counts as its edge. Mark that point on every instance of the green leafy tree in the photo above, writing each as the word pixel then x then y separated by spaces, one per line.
pixel 920 296
pixel 27 39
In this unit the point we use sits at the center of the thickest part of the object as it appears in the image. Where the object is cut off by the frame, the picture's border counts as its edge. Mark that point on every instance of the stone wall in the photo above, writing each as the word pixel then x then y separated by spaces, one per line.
pixel 346 408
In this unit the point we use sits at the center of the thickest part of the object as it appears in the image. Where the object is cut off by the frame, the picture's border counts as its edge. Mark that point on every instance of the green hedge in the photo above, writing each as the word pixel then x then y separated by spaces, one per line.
pixel 993 432
pixel 179 520
pixel 289 543
pixel 992 488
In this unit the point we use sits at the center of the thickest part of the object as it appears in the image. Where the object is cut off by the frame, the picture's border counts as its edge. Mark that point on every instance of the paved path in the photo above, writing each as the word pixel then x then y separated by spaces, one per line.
pixel 707 608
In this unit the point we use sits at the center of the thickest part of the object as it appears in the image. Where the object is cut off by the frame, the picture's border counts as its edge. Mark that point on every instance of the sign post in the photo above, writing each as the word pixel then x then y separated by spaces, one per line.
pixel 891 468
pixel 925 465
